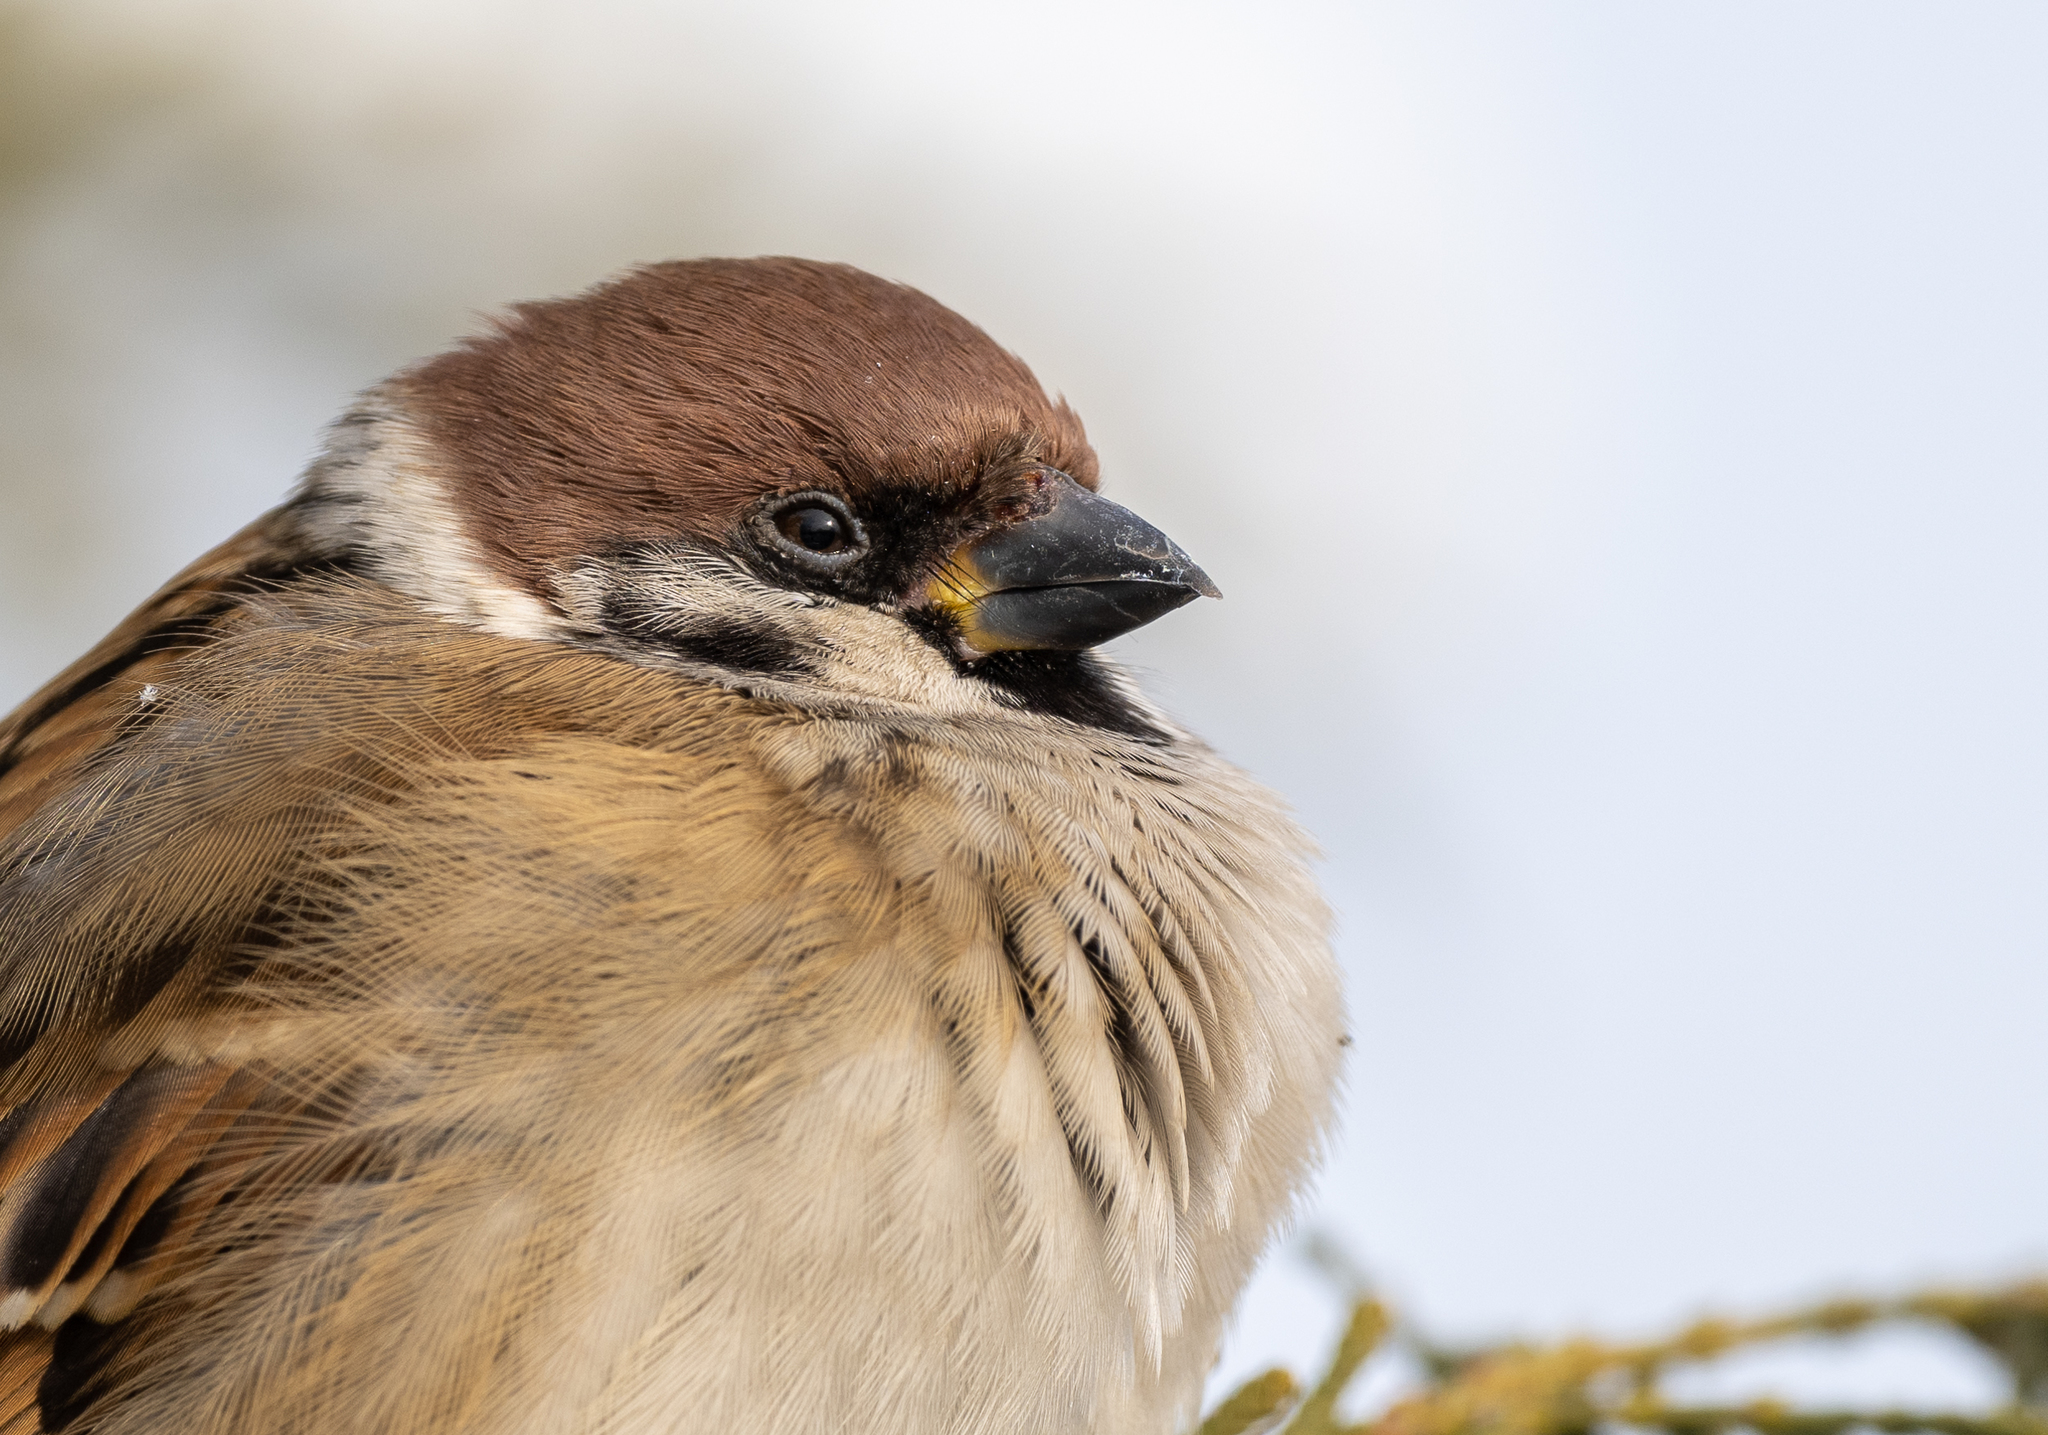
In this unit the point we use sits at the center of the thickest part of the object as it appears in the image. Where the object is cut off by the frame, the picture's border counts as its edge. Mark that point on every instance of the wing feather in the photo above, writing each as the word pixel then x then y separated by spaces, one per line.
pixel 101 1130
pixel 175 811
pixel 48 1217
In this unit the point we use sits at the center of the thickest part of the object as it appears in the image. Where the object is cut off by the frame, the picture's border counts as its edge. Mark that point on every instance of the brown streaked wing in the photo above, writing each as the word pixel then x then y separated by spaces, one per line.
pixel 92 1150
pixel 44 741
pixel 157 897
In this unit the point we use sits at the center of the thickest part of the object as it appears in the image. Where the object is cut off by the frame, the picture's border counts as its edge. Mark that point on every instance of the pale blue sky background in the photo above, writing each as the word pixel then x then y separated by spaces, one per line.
pixel 1619 430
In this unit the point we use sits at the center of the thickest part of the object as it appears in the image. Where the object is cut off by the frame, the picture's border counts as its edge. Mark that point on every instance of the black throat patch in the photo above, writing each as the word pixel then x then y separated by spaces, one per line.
pixel 1076 686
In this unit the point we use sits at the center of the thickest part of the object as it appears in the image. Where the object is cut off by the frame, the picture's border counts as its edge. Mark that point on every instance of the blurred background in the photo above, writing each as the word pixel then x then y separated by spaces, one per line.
pixel 1621 432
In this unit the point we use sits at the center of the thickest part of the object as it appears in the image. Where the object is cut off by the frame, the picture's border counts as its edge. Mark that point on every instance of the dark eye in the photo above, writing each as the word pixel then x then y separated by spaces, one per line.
pixel 817 529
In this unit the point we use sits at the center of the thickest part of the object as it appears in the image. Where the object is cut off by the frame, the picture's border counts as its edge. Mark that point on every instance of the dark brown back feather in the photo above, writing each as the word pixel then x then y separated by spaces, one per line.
pixel 99 1129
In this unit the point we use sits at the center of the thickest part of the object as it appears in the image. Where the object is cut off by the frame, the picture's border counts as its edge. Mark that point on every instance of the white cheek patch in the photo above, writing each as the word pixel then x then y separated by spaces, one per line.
pixel 377 491
pixel 681 606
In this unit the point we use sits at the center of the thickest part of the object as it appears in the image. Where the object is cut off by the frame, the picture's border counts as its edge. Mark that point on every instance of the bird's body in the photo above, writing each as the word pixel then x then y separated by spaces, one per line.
pixel 547 944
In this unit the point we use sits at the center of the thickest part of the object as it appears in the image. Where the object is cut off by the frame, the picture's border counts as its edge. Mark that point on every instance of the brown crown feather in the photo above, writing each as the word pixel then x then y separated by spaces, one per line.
pixel 668 401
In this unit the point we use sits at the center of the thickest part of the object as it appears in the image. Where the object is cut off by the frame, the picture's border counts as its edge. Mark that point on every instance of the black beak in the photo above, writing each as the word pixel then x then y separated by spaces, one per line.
pixel 1080 574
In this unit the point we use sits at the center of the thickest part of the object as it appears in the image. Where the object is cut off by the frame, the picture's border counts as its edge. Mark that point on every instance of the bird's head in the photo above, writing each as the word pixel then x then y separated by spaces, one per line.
pixel 793 435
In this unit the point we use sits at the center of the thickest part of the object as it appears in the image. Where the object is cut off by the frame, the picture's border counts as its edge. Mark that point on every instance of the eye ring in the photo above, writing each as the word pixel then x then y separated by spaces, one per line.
pixel 805 526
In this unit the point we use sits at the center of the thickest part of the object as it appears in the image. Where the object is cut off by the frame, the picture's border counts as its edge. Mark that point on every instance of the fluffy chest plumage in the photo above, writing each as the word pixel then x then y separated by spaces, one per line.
pixel 641 1055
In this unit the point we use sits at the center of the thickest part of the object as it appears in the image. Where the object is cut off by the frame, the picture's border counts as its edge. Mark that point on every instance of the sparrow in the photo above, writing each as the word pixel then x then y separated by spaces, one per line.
pixel 630 903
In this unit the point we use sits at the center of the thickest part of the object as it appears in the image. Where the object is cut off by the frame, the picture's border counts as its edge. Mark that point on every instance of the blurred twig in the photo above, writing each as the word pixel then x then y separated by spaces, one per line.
pixel 1581 1386
pixel 1256 1406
